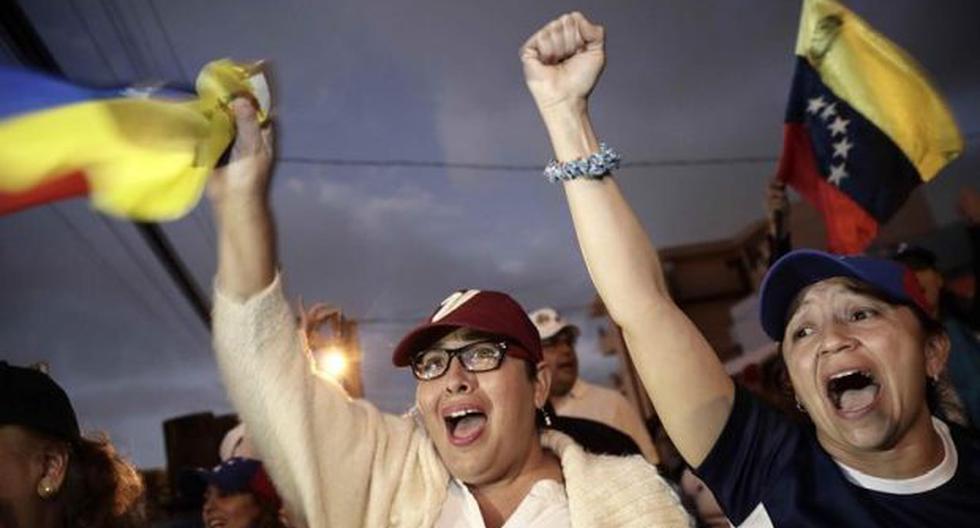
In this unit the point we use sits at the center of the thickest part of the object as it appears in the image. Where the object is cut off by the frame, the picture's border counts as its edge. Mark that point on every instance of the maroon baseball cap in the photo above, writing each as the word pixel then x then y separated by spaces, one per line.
pixel 487 311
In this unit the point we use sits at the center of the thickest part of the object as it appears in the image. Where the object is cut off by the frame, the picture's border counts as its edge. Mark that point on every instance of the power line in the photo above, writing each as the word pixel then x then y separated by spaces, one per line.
pixel 131 253
pixel 91 36
pixel 170 45
pixel 129 48
pixel 504 167
pixel 510 167
pixel 100 261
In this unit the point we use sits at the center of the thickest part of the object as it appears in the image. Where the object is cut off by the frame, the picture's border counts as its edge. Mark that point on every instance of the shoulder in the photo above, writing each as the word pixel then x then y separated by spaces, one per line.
pixel 598 392
pixel 614 490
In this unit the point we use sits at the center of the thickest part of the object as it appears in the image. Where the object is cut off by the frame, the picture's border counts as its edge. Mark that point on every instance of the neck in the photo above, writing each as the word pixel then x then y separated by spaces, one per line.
pixel 917 452
pixel 500 498
pixel 41 516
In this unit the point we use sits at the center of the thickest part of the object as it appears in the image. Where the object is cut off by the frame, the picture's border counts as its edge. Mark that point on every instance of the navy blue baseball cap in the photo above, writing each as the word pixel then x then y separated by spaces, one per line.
pixel 235 475
pixel 799 269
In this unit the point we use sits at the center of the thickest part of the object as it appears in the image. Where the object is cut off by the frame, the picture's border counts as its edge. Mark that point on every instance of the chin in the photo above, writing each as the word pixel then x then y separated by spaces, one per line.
pixel 873 434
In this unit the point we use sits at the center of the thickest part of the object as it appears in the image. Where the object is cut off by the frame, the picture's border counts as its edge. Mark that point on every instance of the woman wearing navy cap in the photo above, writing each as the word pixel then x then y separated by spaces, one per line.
pixel 237 494
pixel 50 475
pixel 854 333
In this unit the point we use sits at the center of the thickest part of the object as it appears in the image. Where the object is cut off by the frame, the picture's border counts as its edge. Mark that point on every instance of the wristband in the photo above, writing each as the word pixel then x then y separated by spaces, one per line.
pixel 594 167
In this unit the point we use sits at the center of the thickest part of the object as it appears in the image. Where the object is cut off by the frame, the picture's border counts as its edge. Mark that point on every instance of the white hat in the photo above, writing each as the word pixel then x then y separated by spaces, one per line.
pixel 236 444
pixel 549 322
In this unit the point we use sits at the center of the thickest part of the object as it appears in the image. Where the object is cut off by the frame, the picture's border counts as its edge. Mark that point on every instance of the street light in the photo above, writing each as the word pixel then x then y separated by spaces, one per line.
pixel 332 361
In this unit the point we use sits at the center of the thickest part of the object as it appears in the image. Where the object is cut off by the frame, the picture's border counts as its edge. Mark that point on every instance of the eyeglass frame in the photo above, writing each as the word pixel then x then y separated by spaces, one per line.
pixel 502 347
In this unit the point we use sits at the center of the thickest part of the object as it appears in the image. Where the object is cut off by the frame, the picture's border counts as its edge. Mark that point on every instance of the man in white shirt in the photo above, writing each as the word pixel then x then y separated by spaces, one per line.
pixel 572 396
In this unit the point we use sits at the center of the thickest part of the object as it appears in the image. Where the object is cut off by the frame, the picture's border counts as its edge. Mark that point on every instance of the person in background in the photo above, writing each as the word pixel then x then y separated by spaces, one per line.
pixel 237 494
pixel 572 396
pixel 51 475
pixel 960 317
pixel 860 349
pixel 778 235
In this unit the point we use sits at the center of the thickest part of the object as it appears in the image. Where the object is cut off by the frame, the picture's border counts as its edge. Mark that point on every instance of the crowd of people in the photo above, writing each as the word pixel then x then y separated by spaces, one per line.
pixel 504 433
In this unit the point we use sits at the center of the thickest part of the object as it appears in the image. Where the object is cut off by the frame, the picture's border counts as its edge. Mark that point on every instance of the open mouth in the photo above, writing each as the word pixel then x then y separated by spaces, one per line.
pixel 852 391
pixel 215 523
pixel 465 425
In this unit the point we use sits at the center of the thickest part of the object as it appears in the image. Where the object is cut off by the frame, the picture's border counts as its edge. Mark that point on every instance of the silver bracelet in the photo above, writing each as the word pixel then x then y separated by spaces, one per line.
pixel 594 167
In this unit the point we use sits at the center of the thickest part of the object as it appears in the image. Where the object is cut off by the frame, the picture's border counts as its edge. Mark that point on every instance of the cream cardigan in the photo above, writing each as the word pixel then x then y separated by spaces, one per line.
pixel 342 463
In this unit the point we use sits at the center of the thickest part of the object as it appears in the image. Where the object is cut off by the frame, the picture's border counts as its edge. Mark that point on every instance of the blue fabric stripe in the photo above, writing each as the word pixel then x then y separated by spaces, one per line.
pixel 880 176
pixel 24 91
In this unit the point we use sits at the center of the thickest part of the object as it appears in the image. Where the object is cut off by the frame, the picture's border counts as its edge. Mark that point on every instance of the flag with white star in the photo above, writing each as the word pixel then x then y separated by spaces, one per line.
pixel 863 125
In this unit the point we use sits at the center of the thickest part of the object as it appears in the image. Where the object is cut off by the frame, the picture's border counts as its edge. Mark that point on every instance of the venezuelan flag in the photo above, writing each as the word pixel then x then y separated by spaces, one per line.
pixel 864 126
pixel 143 154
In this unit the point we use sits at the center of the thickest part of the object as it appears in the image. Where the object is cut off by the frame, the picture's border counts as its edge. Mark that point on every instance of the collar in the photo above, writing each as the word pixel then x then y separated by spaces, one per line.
pixel 930 480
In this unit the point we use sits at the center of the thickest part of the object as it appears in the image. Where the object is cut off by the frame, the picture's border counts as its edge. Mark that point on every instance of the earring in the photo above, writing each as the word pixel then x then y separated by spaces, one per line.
pixel 546 416
pixel 799 405
pixel 45 490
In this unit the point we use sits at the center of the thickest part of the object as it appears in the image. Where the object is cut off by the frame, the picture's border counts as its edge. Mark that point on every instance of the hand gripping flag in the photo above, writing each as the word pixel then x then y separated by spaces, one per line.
pixel 863 128
pixel 139 153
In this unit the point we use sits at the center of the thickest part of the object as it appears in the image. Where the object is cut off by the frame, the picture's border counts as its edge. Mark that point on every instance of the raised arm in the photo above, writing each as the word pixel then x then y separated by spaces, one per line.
pixel 239 193
pixel 325 452
pixel 685 380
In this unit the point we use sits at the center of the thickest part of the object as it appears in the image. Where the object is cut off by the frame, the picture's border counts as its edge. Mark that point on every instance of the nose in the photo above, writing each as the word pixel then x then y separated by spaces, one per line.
pixel 458 379
pixel 836 339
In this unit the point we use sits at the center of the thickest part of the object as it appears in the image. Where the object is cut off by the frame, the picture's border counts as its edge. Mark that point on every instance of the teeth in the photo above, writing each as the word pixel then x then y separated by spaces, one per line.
pixel 462 413
pixel 840 375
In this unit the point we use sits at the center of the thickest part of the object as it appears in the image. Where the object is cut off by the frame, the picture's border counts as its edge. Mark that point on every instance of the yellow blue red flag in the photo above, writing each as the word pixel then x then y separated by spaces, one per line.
pixel 140 153
pixel 864 126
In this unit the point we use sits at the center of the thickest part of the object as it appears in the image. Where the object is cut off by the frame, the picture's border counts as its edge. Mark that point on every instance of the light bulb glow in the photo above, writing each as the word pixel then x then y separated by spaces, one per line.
pixel 332 362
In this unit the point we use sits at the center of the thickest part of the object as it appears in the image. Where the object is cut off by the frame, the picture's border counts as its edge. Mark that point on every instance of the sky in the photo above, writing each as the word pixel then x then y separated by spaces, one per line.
pixel 692 87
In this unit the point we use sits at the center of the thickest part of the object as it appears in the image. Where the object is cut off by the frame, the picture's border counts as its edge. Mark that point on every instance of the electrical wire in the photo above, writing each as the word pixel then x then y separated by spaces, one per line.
pixel 91 36
pixel 147 274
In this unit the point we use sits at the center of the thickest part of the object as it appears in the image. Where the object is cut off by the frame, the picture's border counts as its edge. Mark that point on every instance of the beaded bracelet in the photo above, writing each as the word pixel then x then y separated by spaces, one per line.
pixel 594 167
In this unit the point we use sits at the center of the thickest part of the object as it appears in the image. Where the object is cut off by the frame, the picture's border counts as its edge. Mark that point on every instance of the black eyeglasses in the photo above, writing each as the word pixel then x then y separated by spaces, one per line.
pixel 481 356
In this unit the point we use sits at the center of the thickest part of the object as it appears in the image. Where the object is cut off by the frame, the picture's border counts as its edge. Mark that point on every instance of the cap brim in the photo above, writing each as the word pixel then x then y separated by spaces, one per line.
pixel 427 334
pixel 789 276
pixel 418 339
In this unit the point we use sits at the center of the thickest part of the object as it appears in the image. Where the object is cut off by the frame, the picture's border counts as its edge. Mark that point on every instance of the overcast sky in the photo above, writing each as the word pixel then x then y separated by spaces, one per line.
pixel 427 81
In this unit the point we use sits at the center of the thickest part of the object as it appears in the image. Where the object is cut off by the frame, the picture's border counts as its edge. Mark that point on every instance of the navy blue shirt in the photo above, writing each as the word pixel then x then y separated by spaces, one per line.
pixel 771 471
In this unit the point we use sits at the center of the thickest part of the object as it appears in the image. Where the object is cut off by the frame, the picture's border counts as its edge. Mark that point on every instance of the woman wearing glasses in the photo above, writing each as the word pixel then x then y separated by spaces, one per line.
pixel 473 457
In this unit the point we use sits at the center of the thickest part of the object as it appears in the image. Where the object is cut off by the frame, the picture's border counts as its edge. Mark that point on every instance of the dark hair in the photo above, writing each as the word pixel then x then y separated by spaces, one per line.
pixel 268 516
pixel 101 489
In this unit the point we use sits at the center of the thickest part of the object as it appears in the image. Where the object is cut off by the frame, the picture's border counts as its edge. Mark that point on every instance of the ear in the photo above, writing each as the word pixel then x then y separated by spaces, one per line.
pixel 936 353
pixel 542 384
pixel 54 465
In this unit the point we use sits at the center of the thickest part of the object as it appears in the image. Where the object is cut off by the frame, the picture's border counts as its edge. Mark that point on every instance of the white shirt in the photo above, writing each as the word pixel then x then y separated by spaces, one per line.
pixel 609 407
pixel 544 506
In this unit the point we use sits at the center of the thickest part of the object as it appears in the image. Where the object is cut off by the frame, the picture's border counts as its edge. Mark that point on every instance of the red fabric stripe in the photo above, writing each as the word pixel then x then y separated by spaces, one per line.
pixel 68 186
pixel 849 227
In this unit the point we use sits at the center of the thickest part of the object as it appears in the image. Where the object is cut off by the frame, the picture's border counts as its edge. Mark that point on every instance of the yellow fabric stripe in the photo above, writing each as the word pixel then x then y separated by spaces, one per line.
pixel 144 159
pixel 880 81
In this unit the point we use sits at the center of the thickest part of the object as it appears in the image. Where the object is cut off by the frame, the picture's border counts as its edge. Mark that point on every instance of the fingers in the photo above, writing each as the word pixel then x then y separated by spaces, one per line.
pixel 594 35
pixel 249 137
pixel 562 38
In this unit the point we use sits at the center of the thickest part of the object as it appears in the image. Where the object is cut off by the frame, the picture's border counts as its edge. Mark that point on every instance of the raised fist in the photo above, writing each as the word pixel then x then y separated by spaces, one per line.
pixel 247 174
pixel 563 61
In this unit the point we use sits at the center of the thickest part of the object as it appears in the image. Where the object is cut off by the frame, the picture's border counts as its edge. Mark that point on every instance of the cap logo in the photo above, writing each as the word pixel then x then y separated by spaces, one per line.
pixel 451 303
pixel 542 318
